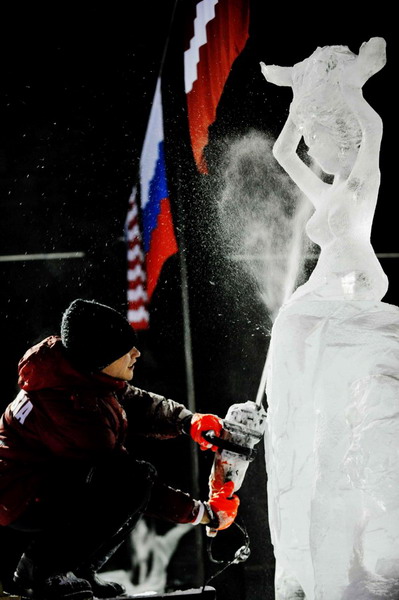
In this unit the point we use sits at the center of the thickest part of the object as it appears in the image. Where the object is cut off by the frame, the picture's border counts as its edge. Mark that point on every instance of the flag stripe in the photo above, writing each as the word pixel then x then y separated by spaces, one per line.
pixel 138 317
pixel 163 245
pixel 136 294
pixel 157 191
pixel 150 154
pixel 205 12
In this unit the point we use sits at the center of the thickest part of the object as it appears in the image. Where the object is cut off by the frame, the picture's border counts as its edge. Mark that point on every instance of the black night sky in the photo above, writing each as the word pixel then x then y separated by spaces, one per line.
pixel 76 90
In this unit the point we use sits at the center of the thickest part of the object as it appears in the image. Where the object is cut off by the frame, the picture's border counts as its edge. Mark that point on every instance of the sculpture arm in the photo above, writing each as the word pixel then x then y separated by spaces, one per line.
pixel 371 59
pixel 284 150
pixel 367 162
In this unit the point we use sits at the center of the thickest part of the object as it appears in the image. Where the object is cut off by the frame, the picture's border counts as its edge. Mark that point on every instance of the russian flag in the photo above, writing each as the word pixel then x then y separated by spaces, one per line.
pixel 159 241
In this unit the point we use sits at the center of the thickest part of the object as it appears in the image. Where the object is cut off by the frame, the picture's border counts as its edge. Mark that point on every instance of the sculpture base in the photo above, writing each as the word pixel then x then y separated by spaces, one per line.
pixel 332 447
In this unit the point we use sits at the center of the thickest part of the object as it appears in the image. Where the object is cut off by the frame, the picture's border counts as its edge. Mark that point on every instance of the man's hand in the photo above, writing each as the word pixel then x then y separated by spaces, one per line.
pixel 205 422
pixel 224 506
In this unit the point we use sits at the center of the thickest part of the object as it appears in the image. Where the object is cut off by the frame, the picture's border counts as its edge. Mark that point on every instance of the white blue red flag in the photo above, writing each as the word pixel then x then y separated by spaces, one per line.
pixel 159 241
pixel 156 242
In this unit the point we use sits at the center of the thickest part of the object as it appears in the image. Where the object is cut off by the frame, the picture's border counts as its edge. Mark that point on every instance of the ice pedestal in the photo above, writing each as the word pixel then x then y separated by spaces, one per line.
pixel 332 449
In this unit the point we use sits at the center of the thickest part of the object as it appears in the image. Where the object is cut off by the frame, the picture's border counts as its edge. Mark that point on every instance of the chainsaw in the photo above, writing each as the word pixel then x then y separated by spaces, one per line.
pixel 243 427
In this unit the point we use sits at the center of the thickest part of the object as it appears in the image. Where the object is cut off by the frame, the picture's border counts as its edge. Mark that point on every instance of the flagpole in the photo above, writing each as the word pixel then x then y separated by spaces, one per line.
pixel 187 338
pixel 190 389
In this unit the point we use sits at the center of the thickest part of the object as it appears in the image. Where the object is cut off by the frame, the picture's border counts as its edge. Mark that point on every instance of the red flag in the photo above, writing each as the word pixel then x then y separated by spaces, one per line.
pixel 219 36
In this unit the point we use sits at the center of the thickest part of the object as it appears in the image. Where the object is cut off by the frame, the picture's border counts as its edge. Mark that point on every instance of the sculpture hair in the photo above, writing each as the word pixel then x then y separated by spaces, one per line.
pixel 318 99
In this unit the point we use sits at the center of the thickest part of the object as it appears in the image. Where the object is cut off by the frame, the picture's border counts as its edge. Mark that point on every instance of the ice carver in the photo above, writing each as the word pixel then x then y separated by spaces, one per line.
pixel 66 476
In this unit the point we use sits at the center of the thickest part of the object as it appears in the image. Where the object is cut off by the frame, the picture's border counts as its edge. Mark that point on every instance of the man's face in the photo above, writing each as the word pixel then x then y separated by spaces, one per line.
pixel 123 367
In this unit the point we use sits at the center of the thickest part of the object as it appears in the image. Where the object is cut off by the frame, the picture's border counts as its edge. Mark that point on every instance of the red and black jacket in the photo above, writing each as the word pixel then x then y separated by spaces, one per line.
pixel 64 414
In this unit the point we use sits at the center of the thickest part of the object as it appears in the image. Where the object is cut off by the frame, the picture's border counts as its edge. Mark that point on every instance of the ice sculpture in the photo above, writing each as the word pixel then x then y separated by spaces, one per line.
pixel 332 444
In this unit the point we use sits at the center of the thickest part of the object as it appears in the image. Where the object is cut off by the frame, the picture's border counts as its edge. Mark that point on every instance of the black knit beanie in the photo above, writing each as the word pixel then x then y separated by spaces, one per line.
pixel 94 335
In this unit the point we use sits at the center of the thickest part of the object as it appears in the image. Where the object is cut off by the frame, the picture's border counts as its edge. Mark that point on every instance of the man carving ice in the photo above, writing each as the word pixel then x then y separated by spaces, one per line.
pixel 65 474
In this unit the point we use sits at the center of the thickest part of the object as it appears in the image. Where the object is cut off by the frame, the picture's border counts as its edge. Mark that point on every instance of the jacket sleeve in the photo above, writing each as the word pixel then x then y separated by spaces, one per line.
pixel 172 504
pixel 152 415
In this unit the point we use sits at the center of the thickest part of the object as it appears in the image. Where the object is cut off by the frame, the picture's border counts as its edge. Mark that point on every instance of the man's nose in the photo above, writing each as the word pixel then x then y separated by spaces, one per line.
pixel 135 353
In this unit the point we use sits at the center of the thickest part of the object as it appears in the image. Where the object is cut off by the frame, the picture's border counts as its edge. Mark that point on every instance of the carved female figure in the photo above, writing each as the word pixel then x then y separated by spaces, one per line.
pixel 332 453
pixel 343 134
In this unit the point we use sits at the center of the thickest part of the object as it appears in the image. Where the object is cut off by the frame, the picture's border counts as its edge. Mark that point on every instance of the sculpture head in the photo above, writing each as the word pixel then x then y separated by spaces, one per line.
pixel 329 127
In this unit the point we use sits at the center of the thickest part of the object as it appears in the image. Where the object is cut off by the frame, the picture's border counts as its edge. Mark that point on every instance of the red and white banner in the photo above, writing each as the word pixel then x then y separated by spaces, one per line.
pixel 220 32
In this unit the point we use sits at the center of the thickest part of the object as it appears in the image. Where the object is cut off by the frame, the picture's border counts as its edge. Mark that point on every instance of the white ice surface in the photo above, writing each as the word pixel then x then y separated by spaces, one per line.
pixel 332 444
pixel 332 450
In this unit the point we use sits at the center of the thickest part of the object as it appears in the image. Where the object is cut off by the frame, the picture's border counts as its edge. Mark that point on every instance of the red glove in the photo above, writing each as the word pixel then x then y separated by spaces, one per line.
pixel 224 505
pixel 200 423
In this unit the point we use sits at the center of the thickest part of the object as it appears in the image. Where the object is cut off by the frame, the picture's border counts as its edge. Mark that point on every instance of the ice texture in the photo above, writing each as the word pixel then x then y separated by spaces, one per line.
pixel 332 446
pixel 332 439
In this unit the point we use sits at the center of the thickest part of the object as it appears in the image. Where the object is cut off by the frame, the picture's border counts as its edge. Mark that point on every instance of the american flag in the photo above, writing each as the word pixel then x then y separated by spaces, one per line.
pixel 137 298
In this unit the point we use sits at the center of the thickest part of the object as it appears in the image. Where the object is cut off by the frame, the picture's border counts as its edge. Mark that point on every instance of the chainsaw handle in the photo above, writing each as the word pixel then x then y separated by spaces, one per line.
pixel 225 444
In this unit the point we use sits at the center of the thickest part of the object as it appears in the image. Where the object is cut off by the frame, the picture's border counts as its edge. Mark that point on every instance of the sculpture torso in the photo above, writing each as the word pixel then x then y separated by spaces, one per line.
pixel 347 266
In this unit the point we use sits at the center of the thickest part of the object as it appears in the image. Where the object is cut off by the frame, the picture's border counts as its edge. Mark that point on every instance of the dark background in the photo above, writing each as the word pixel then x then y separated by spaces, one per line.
pixel 76 91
